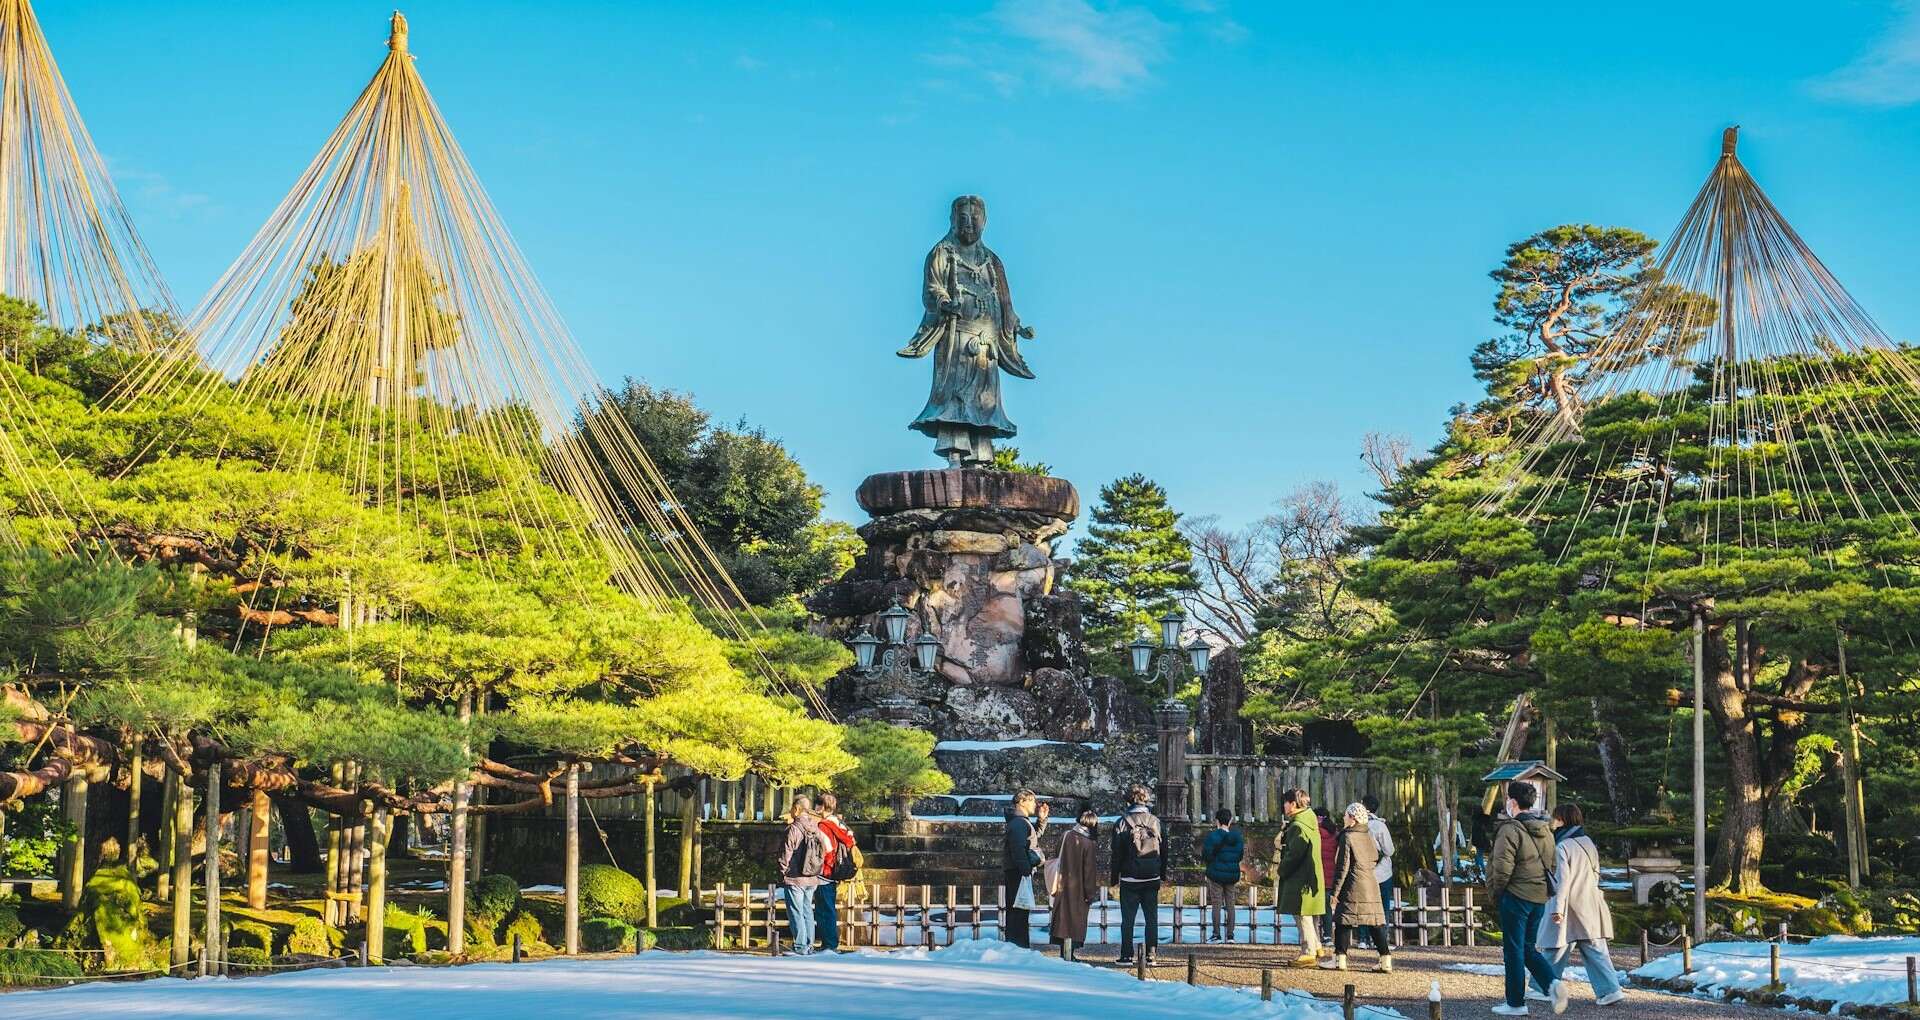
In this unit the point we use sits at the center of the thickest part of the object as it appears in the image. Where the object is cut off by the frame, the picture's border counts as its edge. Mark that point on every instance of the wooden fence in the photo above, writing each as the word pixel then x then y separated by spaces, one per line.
pixel 1252 786
pixel 746 917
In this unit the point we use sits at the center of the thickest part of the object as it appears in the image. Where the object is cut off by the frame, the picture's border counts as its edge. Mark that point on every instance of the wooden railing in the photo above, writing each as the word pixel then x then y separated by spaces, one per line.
pixel 747 917
pixel 1252 786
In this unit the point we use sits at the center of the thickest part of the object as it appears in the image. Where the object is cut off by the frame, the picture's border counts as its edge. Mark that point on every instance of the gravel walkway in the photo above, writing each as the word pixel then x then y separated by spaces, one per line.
pixel 1415 968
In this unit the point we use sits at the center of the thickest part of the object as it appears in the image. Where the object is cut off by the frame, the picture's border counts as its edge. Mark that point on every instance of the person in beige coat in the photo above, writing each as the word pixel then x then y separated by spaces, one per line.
pixel 1577 913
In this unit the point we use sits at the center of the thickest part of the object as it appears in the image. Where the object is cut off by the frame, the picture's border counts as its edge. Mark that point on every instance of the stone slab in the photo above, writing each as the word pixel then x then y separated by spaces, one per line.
pixel 895 492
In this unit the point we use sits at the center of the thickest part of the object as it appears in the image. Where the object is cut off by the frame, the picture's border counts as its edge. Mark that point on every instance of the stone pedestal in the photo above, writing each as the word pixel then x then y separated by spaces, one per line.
pixel 969 553
pixel 1652 868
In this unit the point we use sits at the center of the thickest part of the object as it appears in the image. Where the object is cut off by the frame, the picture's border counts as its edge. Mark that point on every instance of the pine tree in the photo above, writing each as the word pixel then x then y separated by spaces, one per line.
pixel 1132 567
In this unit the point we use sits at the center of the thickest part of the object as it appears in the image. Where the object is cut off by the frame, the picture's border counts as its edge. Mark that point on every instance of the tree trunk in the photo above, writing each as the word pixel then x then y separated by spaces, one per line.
pixel 380 831
pixel 73 858
pixel 1616 767
pixel 135 787
pixel 163 839
pixel 689 807
pixel 210 953
pixel 303 848
pixel 334 910
pixel 181 856
pixel 1743 824
pixel 259 815
pixel 653 871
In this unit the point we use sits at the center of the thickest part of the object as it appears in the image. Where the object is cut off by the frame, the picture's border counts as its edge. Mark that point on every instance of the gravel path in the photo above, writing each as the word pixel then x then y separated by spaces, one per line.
pixel 1415 968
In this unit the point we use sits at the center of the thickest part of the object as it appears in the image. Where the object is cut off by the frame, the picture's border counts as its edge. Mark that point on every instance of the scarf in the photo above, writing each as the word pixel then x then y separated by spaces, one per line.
pixel 1567 832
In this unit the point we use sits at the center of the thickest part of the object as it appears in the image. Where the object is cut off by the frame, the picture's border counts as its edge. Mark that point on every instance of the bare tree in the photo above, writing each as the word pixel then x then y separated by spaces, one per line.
pixel 1286 570
pixel 1385 455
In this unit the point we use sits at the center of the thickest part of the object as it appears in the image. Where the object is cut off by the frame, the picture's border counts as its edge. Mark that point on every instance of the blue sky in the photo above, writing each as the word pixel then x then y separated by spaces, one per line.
pixel 1248 233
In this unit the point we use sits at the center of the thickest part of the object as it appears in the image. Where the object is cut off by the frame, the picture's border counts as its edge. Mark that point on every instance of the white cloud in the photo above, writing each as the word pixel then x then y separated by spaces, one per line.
pixel 1888 73
pixel 1108 48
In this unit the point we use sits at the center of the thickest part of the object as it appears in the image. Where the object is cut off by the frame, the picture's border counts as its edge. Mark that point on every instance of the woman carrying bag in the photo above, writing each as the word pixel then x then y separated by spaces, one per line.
pixel 1577 913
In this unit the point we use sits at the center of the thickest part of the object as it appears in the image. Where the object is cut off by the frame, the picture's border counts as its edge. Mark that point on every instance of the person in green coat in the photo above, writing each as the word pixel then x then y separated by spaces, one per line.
pixel 1301 876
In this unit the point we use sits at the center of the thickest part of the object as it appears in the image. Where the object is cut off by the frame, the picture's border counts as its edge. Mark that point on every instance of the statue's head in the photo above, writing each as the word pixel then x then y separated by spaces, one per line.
pixel 969 218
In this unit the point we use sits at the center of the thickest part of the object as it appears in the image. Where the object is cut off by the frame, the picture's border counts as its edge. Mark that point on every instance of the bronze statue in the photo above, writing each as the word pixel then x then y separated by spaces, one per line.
pixel 973 333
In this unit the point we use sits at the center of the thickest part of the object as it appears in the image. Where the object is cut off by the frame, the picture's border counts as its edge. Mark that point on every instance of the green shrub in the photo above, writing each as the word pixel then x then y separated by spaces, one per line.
pixel 606 891
pixel 32 968
pixel 312 936
pixel 526 926
pixel 494 896
pixel 406 931
pixel 480 938
pixel 11 926
pixel 676 912
pixel 679 938
pixel 249 935
pixel 606 935
pixel 246 958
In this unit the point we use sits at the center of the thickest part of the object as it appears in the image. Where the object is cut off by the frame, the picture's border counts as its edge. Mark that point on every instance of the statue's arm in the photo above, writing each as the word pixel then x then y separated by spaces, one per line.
pixel 933 292
pixel 1009 319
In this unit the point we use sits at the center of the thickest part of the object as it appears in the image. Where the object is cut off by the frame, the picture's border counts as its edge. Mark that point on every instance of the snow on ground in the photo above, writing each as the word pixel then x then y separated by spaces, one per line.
pixel 1837 967
pixel 1254 926
pixel 971 980
pixel 1575 974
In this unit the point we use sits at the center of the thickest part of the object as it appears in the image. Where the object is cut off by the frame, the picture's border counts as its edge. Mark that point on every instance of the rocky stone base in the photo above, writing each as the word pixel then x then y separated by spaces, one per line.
pixel 1070 775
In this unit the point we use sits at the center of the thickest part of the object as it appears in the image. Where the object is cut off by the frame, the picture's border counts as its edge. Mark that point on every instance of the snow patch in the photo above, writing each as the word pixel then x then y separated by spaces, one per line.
pixel 1838 967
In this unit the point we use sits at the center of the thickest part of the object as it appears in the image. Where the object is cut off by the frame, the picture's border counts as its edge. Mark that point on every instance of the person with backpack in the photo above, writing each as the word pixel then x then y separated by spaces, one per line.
pixel 841 866
pixel 1019 857
pixel 803 865
pixel 1577 913
pixel 1354 895
pixel 1302 876
pixel 1222 852
pixel 1139 867
pixel 1383 871
pixel 1520 880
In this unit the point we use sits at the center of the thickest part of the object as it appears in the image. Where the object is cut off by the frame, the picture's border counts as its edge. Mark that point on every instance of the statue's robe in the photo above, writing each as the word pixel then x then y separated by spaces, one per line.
pixel 969 349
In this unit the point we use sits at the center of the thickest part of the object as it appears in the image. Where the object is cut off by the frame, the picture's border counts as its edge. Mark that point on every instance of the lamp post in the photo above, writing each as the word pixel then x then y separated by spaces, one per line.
pixel 895 658
pixel 1166 663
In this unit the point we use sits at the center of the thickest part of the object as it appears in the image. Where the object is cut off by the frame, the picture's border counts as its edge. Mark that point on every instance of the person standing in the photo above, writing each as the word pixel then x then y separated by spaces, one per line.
pixel 1519 881
pixel 1020 856
pixel 1077 881
pixel 1329 843
pixel 1354 893
pixel 1222 852
pixel 1482 837
pixel 1577 913
pixel 1301 874
pixel 1139 867
pixel 802 863
pixel 839 868
pixel 1383 871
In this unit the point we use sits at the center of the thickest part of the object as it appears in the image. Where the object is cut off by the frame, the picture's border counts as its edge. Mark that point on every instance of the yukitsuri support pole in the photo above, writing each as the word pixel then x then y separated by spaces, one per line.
pixel 457 850
pixel 356 841
pixel 571 914
pixel 653 881
pixel 136 765
pixel 163 841
pixel 73 856
pixel 259 814
pixel 477 836
pixel 181 835
pixel 212 944
pixel 333 908
pixel 379 830
pixel 1700 769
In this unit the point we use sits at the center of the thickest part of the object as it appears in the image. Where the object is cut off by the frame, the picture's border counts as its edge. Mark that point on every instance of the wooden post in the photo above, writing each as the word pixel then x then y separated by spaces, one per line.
pixel 1773 963
pixel 1472 918
pixel 1553 759
pixel 73 857
pixel 1913 981
pixel 652 871
pixel 1193 969
pixel 457 849
pixel 259 813
pixel 689 812
pixel 181 853
pixel 1266 984
pixel 363 953
pixel 1066 950
pixel 1140 962
pixel 516 948
pixel 699 831
pixel 356 841
pixel 1346 1002
pixel 136 776
pixel 163 832
pixel 572 911
pixel 332 908
pixel 212 880
pixel 477 824
pixel 1686 954
pixel 382 830
pixel 1643 947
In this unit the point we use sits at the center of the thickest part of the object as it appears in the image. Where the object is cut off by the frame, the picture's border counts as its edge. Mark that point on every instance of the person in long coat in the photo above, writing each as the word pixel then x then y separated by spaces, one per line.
pixel 1075 881
pixel 1020 857
pixel 1577 913
pixel 1297 869
pixel 1356 894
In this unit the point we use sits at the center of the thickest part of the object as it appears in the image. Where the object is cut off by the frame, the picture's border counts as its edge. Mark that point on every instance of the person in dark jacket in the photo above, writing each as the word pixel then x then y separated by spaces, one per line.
pixel 1222 852
pixel 1356 895
pixel 1520 879
pixel 1020 856
pixel 1077 881
pixel 1329 846
pixel 802 864
pixel 1139 867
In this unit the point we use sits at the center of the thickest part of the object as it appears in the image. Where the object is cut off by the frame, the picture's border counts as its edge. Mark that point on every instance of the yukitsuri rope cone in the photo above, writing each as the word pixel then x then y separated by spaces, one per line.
pixel 1794 408
pixel 68 246
pixel 385 308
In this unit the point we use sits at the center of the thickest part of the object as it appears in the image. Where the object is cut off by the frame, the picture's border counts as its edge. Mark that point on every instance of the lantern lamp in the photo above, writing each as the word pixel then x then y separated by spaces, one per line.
pixel 1198 653
pixel 1142 651
pixel 926 652
pixel 1170 627
pixel 896 620
pixel 864 645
